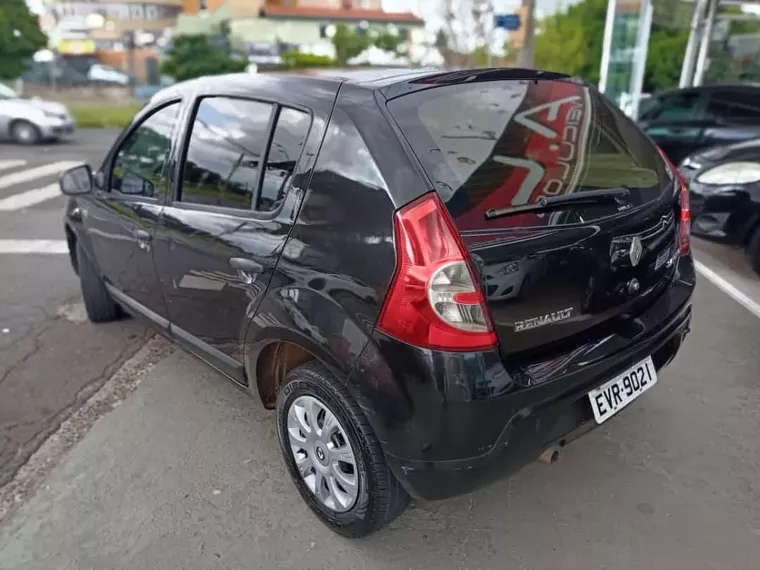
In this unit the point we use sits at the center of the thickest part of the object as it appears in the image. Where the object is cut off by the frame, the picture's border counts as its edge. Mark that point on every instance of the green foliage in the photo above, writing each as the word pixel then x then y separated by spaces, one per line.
pixel 294 59
pixel 736 27
pixel 195 56
pixel 20 37
pixel 571 41
pixel 388 42
pixel 664 58
pixel 93 115
pixel 348 44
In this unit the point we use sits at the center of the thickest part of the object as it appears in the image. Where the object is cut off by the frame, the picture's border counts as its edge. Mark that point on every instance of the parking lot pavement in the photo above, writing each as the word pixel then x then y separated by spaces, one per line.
pixel 186 473
pixel 50 360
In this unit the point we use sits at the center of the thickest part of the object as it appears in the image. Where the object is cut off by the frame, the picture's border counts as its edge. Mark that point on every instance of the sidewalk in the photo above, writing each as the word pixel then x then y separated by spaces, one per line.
pixel 186 473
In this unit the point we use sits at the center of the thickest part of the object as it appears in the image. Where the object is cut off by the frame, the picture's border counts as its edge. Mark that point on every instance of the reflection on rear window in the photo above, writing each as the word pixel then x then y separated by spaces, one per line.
pixel 507 143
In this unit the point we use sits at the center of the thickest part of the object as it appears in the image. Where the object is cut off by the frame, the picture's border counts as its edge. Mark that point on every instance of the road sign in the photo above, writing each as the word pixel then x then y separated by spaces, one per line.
pixel 509 22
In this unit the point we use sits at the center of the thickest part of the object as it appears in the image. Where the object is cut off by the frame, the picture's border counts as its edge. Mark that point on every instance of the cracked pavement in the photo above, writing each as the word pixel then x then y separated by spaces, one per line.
pixel 51 359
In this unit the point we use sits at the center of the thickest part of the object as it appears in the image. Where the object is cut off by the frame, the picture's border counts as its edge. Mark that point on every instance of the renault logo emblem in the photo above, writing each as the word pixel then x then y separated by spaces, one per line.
pixel 635 252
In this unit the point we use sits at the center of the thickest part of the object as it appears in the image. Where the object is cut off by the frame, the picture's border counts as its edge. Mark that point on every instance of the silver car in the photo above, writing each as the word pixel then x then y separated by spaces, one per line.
pixel 29 121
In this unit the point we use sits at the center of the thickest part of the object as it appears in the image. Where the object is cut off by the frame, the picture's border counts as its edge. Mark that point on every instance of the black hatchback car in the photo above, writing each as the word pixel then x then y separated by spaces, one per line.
pixel 434 278
pixel 724 191
pixel 683 121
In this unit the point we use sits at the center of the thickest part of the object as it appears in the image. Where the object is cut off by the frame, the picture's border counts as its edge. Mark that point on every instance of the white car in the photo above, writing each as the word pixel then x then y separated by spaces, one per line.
pixel 29 121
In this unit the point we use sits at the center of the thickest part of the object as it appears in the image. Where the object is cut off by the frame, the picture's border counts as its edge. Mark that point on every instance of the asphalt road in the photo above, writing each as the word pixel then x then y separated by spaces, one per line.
pixel 170 466
pixel 50 360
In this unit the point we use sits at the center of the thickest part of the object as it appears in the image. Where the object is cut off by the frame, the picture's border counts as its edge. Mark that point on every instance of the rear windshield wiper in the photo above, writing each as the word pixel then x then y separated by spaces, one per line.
pixel 546 203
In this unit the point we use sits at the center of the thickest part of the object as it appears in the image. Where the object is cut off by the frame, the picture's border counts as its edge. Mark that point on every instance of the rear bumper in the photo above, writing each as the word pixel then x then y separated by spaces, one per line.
pixel 449 445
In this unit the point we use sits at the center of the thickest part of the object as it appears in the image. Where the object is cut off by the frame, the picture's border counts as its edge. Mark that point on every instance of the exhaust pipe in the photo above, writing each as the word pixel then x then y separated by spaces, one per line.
pixel 550 456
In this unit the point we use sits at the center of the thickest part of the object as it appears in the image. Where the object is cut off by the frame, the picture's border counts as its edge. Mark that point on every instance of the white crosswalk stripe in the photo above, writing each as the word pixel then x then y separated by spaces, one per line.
pixel 36 173
pixel 54 246
pixel 13 163
pixel 22 187
pixel 29 198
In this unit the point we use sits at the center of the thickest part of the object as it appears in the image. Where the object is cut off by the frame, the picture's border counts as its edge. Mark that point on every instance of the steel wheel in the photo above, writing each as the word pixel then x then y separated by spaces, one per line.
pixel 323 454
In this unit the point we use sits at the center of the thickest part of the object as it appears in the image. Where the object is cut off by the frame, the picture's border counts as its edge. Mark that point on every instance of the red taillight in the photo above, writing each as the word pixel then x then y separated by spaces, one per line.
pixel 435 300
pixel 684 237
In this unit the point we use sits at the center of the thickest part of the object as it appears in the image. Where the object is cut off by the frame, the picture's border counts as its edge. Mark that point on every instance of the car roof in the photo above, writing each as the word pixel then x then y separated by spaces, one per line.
pixel 325 83
pixel 715 87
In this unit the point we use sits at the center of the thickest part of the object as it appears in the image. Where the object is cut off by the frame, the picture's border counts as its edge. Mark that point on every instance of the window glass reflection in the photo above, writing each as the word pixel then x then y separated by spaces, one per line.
pixel 287 144
pixel 139 165
pixel 226 145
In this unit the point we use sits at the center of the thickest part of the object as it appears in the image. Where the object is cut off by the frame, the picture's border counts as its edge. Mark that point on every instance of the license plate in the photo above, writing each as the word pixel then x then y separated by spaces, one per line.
pixel 614 395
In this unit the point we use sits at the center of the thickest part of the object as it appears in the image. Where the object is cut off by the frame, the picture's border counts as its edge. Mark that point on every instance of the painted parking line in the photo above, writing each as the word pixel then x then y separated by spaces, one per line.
pixel 725 285
pixel 35 173
pixel 12 163
pixel 26 246
pixel 29 198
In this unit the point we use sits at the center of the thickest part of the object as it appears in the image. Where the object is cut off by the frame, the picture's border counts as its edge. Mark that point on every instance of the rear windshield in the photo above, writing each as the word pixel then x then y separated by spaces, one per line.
pixel 507 143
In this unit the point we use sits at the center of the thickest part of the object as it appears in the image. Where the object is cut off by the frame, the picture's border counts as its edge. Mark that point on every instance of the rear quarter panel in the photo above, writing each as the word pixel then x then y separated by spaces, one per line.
pixel 331 280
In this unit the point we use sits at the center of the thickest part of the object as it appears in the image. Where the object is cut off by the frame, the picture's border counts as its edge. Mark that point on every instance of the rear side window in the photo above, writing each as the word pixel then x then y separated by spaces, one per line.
pixel 736 106
pixel 287 144
pixel 225 151
pixel 507 143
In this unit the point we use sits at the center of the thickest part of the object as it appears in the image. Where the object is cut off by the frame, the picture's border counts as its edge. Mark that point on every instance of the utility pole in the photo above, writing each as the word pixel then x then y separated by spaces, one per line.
pixel 689 58
pixel 525 57
pixel 704 47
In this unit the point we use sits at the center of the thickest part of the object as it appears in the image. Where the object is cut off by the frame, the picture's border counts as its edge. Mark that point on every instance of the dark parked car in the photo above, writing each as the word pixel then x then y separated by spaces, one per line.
pixel 345 248
pixel 682 121
pixel 724 189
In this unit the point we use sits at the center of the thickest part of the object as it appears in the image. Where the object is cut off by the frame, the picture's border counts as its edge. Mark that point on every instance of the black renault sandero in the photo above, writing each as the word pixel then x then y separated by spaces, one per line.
pixel 433 278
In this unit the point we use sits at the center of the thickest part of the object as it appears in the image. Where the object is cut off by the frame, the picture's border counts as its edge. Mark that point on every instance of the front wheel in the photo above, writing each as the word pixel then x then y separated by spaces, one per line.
pixel 333 456
pixel 24 132
pixel 100 307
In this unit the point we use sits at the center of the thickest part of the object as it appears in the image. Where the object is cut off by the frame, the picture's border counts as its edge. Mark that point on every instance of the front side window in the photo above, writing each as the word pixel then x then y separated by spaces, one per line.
pixel 226 147
pixel 287 143
pixel 674 107
pixel 140 163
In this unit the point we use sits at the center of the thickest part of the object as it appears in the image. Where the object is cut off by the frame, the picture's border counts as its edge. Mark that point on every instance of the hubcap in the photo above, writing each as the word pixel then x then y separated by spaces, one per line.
pixel 24 133
pixel 323 453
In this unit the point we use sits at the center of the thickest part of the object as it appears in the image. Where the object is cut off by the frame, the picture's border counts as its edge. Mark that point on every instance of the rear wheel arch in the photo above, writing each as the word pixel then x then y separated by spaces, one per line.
pixel 272 364
pixel 269 361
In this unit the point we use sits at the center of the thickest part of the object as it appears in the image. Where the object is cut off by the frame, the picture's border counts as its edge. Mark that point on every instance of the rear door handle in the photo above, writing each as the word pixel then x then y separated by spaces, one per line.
pixel 247 269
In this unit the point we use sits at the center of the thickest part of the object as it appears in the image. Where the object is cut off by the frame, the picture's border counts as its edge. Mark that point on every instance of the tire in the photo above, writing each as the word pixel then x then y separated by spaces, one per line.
pixel 753 251
pixel 379 498
pixel 24 132
pixel 100 306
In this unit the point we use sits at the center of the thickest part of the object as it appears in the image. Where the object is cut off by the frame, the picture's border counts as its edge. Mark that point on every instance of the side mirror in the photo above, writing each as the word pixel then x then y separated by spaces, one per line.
pixel 136 185
pixel 76 181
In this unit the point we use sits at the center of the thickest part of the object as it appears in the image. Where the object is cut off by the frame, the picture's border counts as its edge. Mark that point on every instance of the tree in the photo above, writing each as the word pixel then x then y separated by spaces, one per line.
pixel 348 44
pixel 20 37
pixel 664 57
pixel 571 41
pixel 466 28
pixel 387 41
pixel 194 56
